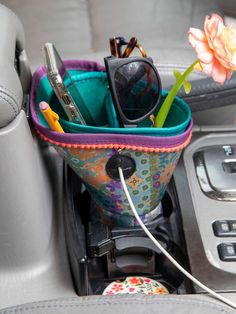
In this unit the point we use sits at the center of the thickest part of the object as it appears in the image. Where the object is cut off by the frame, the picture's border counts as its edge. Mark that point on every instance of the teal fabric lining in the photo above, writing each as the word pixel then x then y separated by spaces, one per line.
pixel 93 87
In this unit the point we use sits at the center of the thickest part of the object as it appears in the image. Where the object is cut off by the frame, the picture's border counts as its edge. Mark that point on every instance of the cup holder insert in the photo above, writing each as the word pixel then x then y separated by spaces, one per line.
pixel 99 254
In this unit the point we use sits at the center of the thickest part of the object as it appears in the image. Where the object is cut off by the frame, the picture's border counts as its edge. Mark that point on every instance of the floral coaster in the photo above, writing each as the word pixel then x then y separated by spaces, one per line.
pixel 132 285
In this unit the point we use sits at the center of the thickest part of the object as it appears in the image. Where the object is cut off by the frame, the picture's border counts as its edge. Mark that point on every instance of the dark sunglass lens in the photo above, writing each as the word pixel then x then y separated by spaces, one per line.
pixel 137 88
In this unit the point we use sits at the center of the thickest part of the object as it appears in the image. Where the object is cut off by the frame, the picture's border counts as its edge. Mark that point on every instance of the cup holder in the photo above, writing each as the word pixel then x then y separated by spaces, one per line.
pixel 100 254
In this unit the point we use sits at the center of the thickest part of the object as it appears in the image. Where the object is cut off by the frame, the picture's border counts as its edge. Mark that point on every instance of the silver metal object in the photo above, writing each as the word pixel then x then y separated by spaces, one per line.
pixel 222 186
pixel 56 72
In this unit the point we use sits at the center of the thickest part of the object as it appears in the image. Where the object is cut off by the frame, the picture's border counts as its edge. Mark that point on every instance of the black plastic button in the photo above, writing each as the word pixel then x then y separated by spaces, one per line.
pixel 227 252
pixel 221 228
pixel 225 228
pixel 126 163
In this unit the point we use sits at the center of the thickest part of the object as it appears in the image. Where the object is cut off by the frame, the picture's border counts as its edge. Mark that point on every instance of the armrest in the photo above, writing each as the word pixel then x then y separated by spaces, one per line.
pixel 13 66
pixel 206 94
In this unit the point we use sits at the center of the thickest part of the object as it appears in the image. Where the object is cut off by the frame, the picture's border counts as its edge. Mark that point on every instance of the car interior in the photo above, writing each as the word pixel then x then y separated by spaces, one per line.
pixel 56 254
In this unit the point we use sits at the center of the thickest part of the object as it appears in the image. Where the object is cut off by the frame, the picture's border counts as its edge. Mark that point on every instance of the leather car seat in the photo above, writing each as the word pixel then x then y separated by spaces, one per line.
pixel 132 304
pixel 81 29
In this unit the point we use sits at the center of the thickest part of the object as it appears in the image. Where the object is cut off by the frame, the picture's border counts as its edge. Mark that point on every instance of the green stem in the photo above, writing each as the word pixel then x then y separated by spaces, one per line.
pixel 165 108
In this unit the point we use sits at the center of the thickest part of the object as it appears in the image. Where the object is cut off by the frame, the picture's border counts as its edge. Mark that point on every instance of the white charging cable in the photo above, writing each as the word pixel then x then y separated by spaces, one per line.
pixel 172 260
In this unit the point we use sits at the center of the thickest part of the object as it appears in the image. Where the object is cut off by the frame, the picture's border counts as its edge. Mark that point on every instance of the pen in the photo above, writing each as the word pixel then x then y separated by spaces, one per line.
pixel 51 117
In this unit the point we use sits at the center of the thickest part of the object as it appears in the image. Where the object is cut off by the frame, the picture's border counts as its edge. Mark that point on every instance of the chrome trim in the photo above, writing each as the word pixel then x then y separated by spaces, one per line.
pixel 204 181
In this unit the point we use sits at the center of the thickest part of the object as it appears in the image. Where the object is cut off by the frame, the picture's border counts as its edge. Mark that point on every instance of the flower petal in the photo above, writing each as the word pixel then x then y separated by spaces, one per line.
pixel 197 34
pixel 207 68
pixel 212 27
pixel 204 53
pixel 217 17
pixel 220 48
pixel 233 59
pixel 218 72
pixel 193 41
pixel 215 48
pixel 228 74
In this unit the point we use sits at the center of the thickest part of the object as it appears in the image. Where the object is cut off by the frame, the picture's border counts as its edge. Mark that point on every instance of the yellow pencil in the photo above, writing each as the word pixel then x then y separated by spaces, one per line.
pixel 51 117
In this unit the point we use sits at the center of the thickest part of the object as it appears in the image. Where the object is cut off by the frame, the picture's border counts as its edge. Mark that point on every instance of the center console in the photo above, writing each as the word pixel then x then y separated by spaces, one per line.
pixel 197 226
pixel 205 181
pixel 100 254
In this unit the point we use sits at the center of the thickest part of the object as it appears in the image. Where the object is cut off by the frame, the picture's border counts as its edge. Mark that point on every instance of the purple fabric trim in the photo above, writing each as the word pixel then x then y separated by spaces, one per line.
pixel 102 138
pixel 85 65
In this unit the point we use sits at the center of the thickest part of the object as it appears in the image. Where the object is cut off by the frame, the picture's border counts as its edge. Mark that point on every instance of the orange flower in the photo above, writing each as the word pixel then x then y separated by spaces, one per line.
pixel 215 47
pixel 117 287
pixel 134 182
pixel 161 290
pixel 216 51
pixel 135 281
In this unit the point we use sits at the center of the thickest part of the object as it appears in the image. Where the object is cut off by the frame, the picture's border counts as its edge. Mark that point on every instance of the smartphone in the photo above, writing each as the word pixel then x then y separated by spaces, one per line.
pixel 57 74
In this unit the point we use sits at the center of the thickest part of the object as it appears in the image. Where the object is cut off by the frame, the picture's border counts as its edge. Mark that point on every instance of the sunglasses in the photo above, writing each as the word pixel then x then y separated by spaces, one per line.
pixel 116 44
pixel 134 82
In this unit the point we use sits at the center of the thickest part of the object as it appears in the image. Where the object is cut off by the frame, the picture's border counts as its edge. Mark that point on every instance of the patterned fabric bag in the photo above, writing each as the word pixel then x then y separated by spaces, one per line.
pixel 90 149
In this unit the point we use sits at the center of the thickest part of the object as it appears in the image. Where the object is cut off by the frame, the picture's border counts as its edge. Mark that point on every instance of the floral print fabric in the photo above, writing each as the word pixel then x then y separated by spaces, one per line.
pixel 146 186
pixel 132 285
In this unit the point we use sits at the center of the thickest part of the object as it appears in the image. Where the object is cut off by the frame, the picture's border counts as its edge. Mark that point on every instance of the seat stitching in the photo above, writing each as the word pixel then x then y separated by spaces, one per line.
pixel 108 303
pixel 10 103
pixel 12 94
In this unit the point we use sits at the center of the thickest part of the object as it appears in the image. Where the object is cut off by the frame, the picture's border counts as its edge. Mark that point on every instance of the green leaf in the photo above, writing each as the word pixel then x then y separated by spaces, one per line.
pixel 177 74
pixel 187 86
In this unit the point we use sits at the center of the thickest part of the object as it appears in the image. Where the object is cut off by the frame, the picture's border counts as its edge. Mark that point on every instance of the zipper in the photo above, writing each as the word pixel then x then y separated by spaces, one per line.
pixel 116 146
